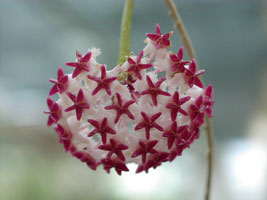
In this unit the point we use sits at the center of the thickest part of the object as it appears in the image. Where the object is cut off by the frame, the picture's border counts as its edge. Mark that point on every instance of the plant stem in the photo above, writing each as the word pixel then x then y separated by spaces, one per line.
pixel 210 153
pixel 125 31
pixel 178 23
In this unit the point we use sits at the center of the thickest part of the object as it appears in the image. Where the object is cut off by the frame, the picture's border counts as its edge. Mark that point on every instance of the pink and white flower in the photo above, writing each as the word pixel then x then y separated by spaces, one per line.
pixel 148 119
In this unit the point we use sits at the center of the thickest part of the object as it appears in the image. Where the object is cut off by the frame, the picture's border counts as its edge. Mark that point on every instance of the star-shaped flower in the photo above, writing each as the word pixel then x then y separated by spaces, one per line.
pixel 159 40
pixel 174 133
pixel 87 158
pixel 121 108
pixel 191 75
pixel 196 112
pixel 102 82
pixel 208 100
pixel 79 103
pixel 117 164
pixel 102 128
pixel 154 89
pixel 177 63
pixel 64 137
pixel 114 147
pixel 82 63
pixel 157 159
pixel 154 161
pixel 61 84
pixel 144 149
pixel 137 66
pixel 54 112
pixel 184 140
pixel 149 123
pixel 175 105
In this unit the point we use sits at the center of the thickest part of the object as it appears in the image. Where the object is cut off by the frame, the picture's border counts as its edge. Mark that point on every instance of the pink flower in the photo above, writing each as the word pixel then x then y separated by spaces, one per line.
pixel 177 63
pixel 121 108
pixel 154 161
pixel 174 133
pixel 159 40
pixel 85 157
pixel 149 123
pixel 64 137
pixel 114 148
pixel 54 112
pixel 79 104
pixel 81 65
pixel 144 149
pixel 191 75
pixel 102 128
pixel 137 66
pixel 184 140
pixel 196 112
pixel 208 100
pixel 102 82
pixel 61 84
pixel 175 105
pixel 117 164
pixel 154 89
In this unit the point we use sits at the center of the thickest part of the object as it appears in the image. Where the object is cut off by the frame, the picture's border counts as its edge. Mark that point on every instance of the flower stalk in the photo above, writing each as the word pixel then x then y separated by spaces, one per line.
pixel 178 23
pixel 125 31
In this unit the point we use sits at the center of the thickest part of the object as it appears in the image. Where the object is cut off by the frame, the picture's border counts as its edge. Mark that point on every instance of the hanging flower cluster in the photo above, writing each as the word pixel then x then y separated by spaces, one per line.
pixel 146 111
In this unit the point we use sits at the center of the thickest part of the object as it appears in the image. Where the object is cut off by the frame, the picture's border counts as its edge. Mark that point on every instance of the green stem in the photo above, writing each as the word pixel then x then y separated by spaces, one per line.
pixel 125 31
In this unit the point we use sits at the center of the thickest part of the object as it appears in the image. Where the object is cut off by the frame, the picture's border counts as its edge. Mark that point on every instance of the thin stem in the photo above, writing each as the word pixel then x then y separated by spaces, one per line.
pixel 125 31
pixel 189 48
pixel 178 24
pixel 210 152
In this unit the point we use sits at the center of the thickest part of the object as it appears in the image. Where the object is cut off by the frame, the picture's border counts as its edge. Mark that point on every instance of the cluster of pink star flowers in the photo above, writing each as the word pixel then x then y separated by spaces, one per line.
pixel 146 111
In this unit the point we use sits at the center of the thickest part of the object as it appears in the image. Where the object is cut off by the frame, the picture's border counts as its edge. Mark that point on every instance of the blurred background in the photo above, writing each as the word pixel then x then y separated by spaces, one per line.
pixel 36 36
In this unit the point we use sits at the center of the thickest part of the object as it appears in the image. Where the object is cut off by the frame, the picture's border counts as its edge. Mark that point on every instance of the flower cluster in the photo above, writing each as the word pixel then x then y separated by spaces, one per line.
pixel 148 118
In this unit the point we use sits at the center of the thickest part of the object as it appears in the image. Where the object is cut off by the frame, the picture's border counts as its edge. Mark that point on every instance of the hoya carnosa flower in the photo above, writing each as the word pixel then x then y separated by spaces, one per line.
pixel 136 66
pixel 146 111
pixel 118 165
pixel 82 63
pixel 208 100
pixel 154 161
pixel 65 137
pixel 144 149
pixel 61 84
pixel 86 158
pixel 79 103
pixel 177 62
pixel 159 40
pixel 174 133
pixel 54 112
pixel 102 128
pixel 154 89
pixel 175 105
pixel 149 123
pixel 191 75
pixel 196 111
pixel 114 148
pixel 121 108
pixel 103 82
pixel 184 140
